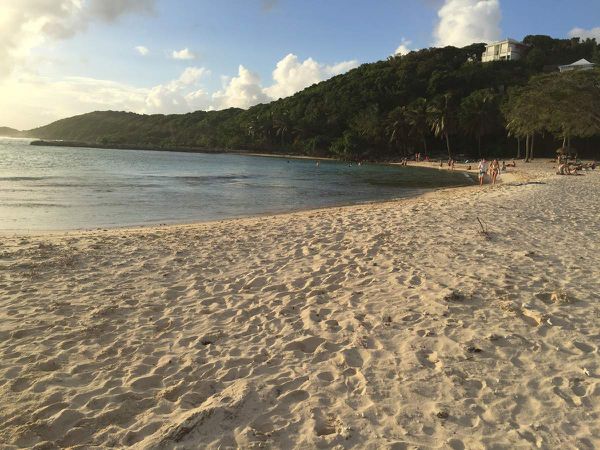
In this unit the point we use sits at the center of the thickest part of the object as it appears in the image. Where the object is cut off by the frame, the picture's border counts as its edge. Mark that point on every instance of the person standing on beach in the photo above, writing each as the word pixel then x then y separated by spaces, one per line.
pixel 495 169
pixel 482 171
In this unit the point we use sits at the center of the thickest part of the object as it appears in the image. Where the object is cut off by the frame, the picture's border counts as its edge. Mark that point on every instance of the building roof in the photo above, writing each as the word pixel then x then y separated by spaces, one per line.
pixel 576 64
pixel 582 62
pixel 512 41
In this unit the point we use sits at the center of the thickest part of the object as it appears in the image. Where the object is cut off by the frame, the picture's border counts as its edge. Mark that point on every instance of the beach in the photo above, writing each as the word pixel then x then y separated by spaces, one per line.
pixel 401 324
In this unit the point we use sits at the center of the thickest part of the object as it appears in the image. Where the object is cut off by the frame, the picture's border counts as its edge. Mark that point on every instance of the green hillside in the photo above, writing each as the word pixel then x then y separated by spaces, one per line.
pixel 436 100
pixel 9 132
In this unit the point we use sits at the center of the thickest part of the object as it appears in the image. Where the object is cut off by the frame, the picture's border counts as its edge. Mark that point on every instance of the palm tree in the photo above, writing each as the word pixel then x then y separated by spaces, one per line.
pixel 281 124
pixel 479 114
pixel 441 115
pixel 397 128
pixel 416 117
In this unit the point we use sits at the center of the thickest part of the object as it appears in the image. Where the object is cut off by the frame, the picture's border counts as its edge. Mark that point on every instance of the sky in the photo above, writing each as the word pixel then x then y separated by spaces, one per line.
pixel 60 58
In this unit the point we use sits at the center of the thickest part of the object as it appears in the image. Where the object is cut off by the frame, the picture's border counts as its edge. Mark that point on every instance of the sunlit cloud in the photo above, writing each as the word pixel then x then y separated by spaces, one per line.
pixel 592 33
pixel 184 54
pixel 403 48
pixel 27 24
pixel 292 75
pixel 463 22
pixel 142 50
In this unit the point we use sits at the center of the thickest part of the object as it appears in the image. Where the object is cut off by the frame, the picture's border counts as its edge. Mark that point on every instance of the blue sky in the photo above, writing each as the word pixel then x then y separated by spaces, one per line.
pixel 64 57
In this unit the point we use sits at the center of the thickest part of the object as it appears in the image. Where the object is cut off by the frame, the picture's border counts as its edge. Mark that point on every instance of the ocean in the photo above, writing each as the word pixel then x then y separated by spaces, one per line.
pixel 60 188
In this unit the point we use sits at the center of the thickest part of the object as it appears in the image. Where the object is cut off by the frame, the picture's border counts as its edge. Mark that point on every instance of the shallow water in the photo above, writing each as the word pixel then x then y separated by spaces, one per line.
pixel 58 188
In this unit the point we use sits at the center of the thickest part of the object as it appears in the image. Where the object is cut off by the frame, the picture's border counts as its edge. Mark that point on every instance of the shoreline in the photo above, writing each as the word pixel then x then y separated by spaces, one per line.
pixel 174 149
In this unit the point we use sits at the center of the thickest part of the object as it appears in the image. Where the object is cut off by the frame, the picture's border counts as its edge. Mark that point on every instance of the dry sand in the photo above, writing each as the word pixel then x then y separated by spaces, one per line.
pixel 393 325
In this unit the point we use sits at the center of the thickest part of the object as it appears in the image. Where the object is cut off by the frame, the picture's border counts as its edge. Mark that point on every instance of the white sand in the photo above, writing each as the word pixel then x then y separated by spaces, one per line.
pixel 394 325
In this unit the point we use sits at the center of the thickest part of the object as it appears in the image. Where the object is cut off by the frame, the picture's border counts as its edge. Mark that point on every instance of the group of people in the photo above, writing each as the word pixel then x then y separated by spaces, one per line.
pixel 567 168
pixel 492 169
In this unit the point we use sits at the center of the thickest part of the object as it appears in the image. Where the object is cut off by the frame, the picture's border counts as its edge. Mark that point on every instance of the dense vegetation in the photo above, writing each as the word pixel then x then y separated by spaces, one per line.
pixel 565 106
pixel 436 101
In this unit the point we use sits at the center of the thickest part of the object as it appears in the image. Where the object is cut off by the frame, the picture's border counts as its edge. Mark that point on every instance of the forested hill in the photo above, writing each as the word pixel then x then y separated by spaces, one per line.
pixel 434 100
pixel 9 132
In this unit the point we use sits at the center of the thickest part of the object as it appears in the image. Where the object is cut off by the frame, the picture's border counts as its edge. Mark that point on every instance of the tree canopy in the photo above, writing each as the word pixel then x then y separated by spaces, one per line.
pixel 564 105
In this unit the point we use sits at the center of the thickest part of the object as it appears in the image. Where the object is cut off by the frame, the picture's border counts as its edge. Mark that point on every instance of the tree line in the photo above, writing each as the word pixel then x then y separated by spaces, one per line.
pixel 437 101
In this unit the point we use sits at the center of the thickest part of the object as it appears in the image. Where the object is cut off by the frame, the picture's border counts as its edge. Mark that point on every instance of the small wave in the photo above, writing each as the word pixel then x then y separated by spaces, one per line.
pixel 23 178
pixel 205 178
pixel 34 205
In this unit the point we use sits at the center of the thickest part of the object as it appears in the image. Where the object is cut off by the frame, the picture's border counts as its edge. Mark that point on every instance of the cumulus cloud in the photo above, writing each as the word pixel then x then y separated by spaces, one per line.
pixel 241 91
pixel 180 95
pixel 403 48
pixel 463 22
pixel 26 24
pixel 184 54
pixel 291 75
pixel 592 33
pixel 142 50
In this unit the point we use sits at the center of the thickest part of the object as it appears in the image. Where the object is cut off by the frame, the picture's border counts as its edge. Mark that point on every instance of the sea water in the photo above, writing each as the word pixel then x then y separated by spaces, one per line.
pixel 61 188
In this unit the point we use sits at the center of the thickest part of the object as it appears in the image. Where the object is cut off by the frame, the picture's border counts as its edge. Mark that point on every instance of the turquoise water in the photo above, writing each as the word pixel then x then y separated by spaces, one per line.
pixel 58 188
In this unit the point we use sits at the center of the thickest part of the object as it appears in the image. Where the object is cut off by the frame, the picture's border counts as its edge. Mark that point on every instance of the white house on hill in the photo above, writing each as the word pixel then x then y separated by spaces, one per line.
pixel 582 64
pixel 507 50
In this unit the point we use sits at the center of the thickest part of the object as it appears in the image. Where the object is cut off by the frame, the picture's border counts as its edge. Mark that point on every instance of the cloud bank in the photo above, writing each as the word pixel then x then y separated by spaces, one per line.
pixel 48 100
pixel 463 22
pixel 592 33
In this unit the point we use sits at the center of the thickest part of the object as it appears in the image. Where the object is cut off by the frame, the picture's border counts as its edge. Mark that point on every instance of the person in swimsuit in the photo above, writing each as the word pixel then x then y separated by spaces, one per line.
pixel 495 169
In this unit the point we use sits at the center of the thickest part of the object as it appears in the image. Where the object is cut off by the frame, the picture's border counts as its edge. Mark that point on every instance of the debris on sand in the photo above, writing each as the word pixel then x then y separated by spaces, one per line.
pixel 454 296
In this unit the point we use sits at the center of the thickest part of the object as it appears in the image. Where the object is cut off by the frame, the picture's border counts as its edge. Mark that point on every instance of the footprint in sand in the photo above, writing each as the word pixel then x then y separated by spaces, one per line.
pixel 429 359
pixel 327 377
pixel 584 348
pixel 308 345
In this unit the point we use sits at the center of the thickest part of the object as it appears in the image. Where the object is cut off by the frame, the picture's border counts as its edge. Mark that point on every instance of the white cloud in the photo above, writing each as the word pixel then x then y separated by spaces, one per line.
pixel 242 91
pixel 291 75
pixel 31 100
pixel 463 22
pixel 190 76
pixel 180 95
pixel 185 54
pixel 142 50
pixel 592 33
pixel 26 24
pixel 403 48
